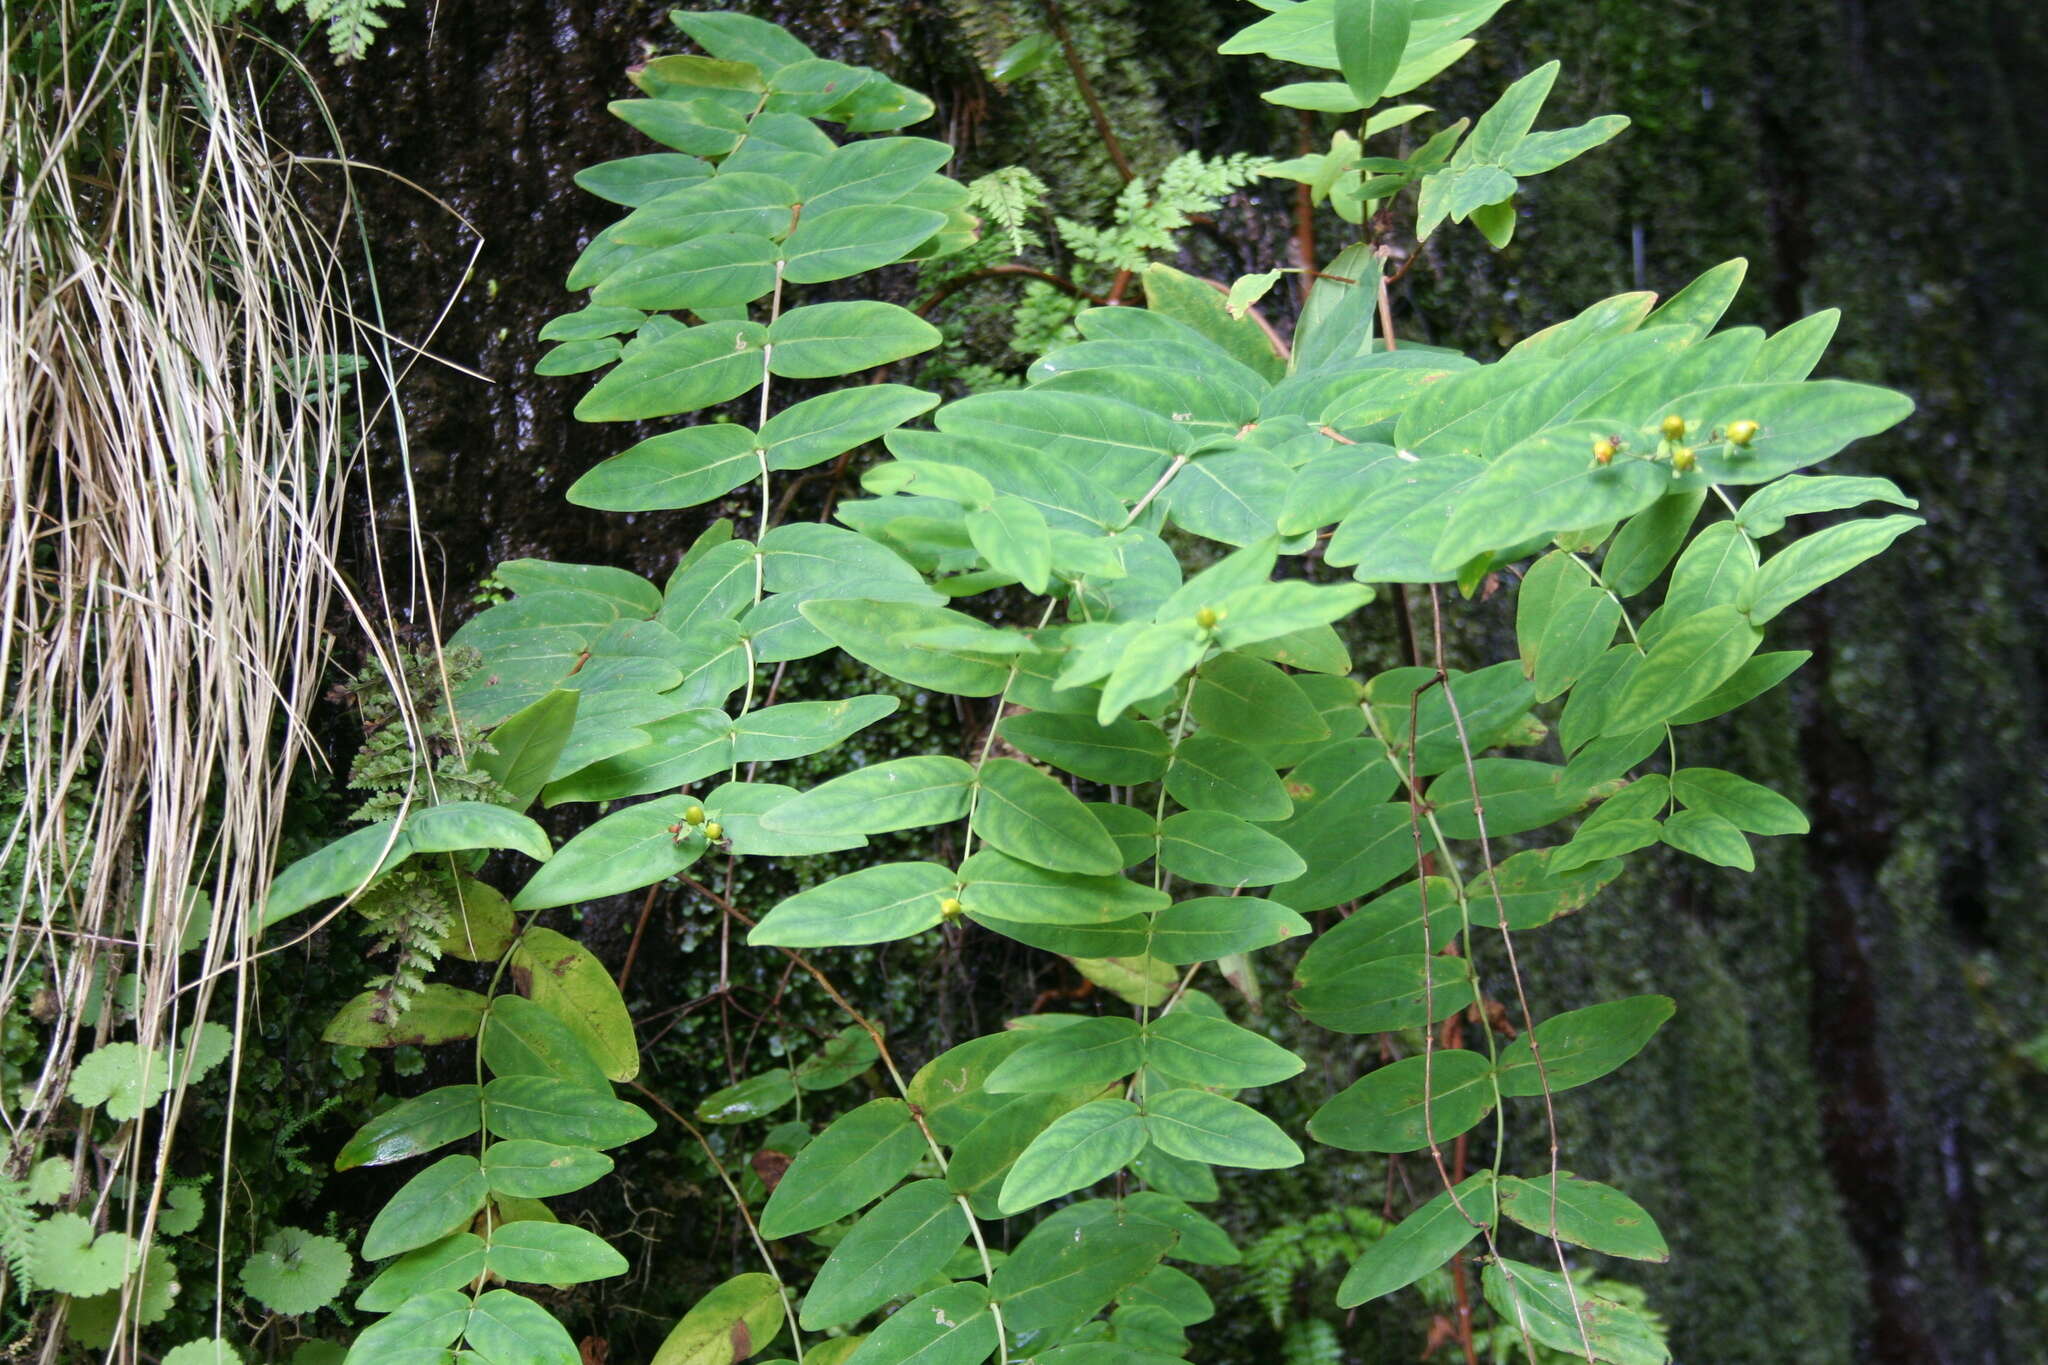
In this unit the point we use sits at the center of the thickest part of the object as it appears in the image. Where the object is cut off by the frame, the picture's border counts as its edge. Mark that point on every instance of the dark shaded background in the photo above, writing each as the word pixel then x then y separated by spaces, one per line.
pixel 1841 1132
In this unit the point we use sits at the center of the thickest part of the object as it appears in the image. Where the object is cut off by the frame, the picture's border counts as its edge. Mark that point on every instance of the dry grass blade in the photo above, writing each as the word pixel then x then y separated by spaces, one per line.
pixel 175 447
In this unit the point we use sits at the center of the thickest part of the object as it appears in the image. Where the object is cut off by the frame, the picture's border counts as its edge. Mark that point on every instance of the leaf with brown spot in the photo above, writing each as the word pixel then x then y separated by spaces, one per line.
pixel 562 976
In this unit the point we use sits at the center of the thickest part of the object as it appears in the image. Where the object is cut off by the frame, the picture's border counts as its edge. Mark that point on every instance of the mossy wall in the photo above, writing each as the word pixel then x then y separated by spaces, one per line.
pixel 1840 1132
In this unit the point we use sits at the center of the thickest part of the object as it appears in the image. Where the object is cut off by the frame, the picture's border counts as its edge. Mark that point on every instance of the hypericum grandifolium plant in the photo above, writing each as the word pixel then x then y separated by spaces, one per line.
pixel 1133 570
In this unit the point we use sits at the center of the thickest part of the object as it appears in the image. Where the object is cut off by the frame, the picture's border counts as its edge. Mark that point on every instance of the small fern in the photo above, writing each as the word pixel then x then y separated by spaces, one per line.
pixel 389 764
pixel 17 1222
pixel 1335 1237
pixel 414 910
pixel 1009 196
pixel 1310 1341
pixel 351 24
pixel 1144 219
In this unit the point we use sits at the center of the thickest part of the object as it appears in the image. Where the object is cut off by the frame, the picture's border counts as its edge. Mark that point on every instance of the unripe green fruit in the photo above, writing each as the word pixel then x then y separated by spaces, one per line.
pixel 693 815
pixel 1603 451
pixel 1673 428
pixel 1743 432
pixel 1207 617
pixel 713 831
pixel 1683 459
pixel 950 908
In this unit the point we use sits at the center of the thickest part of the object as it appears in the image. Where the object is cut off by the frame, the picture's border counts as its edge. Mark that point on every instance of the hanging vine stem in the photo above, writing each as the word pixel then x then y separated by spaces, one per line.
pixel 1507 939
pixel 739 1203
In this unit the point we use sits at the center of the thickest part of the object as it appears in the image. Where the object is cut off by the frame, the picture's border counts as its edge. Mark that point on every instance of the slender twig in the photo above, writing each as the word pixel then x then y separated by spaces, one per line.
pixel 1056 19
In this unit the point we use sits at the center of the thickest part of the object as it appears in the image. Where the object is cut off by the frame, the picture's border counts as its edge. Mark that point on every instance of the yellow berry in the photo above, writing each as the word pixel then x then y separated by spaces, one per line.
pixel 713 831
pixel 1603 451
pixel 1743 432
pixel 1683 460
pixel 1207 617
pixel 693 815
pixel 1673 428
pixel 950 908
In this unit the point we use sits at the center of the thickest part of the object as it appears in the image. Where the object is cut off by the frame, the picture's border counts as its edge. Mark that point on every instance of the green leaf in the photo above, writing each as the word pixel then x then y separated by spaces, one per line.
pixel 439 1200
pixel 1219 849
pixel 1209 927
pixel 750 1099
pixel 949 1326
pixel 564 978
pixel 1123 753
pixel 1516 795
pixel 1649 541
pixel 534 1252
pixel 838 242
pixel 1582 1045
pixel 896 1247
pixel 950 1090
pixel 124 1077
pixel 903 793
pixel 680 749
pixel 64 1255
pixel 826 340
pixel 1547 481
pixel 1249 700
pixel 1204 1127
pixel 1710 838
pixel 1060 1276
pixel 877 171
pixel 984 1156
pixel 1200 306
pixel 875 634
pixel 795 729
pixel 342 868
pixel 1688 662
pixel 1746 804
pixel 1205 1051
pixel 681 373
pixel 1000 886
pixel 1155 659
pixel 1384 1111
pixel 1087 1052
pixel 438 1014
pixel 536 1170
pixel 552 1110
pixel 1078 1149
pixel 1393 536
pixel 1584 1212
pixel 1371 36
pixel 741 1316
pixel 1800 424
pixel 855 1161
pixel 1351 838
pixel 506 1329
pixel 1752 680
pixel 1022 812
pixel 1820 558
pixel 414 1126
pixel 1012 536
pixel 1379 995
pixel 675 469
pixel 635 180
pixel 1210 773
pixel 1424 1240
pixel 525 745
pixel 624 851
pixel 806 433
pixel 872 905
pixel 525 1038
pixel 717 270
pixel 846 1055
pixel 419 1327
pixel 1765 511
pixel 1569 1319
pixel 450 1263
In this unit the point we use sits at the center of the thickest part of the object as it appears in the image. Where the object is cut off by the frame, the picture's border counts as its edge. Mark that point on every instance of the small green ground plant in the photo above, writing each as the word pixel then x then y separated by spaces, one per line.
pixel 1129 575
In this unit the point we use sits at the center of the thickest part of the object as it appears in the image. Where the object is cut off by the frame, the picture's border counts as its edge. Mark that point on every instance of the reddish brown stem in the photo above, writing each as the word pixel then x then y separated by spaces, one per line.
pixel 1056 19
